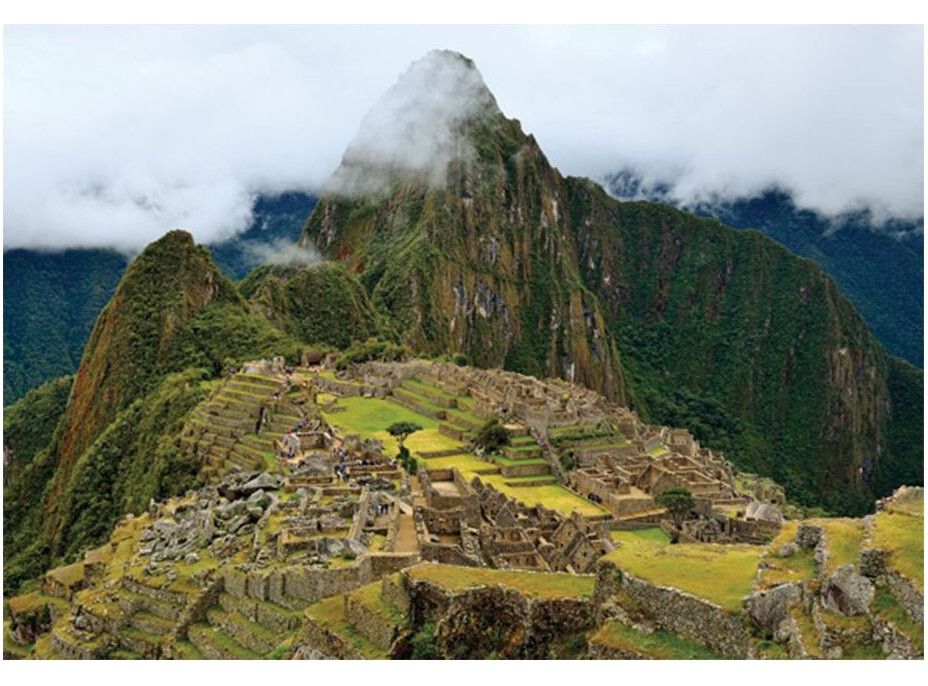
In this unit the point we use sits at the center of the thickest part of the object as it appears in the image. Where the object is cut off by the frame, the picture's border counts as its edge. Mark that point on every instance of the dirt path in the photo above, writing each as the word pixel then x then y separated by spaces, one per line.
pixel 406 541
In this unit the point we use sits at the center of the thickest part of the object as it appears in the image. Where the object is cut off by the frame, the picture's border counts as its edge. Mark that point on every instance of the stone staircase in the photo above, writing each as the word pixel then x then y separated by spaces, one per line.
pixel 364 623
pixel 239 424
pixel 243 629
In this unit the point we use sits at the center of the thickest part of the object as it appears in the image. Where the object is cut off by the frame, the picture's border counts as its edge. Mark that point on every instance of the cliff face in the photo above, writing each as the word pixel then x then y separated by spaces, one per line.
pixel 475 256
pixel 491 252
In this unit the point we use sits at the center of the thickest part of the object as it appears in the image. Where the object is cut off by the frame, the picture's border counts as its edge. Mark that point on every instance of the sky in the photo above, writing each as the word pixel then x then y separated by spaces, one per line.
pixel 115 135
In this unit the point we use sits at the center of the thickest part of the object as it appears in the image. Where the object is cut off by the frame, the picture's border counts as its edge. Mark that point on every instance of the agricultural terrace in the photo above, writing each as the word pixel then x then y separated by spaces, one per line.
pixel 901 530
pixel 532 584
pixel 722 574
pixel 369 418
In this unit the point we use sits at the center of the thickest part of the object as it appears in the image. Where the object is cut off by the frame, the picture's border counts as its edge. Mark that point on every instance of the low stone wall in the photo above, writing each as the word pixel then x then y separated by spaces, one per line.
pixel 908 595
pixel 329 644
pixel 675 611
pixel 378 629
pixel 306 584
pixel 484 621
pixel 394 593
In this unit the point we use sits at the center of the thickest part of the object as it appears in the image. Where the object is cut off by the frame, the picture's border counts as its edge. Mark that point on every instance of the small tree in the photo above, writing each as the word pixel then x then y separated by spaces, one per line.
pixel 679 502
pixel 402 430
pixel 492 436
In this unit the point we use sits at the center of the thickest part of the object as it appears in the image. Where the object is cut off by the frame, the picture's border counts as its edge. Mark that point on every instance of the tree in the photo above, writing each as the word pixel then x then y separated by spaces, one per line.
pixel 492 436
pixel 679 502
pixel 402 430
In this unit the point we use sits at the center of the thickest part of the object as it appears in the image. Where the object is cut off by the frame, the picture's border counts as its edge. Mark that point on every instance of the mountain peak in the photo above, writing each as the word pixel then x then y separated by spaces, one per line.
pixel 417 127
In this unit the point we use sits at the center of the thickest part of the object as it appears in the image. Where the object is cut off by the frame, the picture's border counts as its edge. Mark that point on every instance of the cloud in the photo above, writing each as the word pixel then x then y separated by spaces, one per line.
pixel 413 128
pixel 280 252
pixel 114 135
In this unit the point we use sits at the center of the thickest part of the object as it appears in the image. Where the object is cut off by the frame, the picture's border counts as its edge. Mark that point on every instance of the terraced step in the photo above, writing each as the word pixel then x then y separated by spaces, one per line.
pixel 261 445
pixel 252 399
pixel 276 618
pixel 435 396
pixel 417 403
pixel 247 462
pixel 144 643
pixel 185 650
pixel 245 632
pixel 151 623
pixel 213 644
pixel 523 451
pixel 257 380
pixel 465 420
pixel 133 603
pixel 373 617
pixel 526 468
pixel 530 481
pixel 123 654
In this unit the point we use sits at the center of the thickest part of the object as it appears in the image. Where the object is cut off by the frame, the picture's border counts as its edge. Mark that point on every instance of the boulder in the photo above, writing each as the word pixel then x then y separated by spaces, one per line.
pixel 264 481
pixel 847 592
pixel 808 536
pixel 769 609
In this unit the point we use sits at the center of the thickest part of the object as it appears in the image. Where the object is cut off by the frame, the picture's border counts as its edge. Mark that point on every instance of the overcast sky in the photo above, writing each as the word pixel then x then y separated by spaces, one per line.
pixel 114 135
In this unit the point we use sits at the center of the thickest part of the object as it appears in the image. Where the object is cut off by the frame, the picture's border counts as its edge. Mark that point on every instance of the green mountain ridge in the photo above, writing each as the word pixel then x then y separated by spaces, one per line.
pixel 511 265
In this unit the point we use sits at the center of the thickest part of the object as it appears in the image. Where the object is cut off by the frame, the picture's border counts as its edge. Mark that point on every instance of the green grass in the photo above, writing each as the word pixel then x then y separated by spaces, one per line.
pixel 800 566
pixel 807 631
pixel 652 533
pixel 533 584
pixel 888 608
pixel 554 496
pixel 722 574
pixel 659 645
pixel 10 646
pixel 370 596
pixel 842 538
pixel 370 417
pixel 330 613
pixel 903 535
pixel 420 386
pixel 468 464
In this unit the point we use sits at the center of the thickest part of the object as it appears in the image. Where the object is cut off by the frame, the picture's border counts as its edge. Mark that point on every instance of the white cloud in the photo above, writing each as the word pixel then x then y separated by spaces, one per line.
pixel 114 135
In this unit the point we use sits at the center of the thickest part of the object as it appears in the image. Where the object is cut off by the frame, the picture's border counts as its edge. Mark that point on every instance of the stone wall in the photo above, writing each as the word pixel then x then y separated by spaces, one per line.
pixel 675 611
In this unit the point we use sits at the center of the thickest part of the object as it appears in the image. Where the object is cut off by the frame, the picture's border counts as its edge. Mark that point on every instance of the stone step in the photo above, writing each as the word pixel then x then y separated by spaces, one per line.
pixel 262 445
pixel 213 644
pixel 243 631
pixel 451 431
pixel 464 423
pixel 246 462
pixel 522 453
pixel 229 393
pixel 183 649
pixel 432 395
pixel 257 380
pixel 151 623
pixel 271 616
pixel 133 603
pixel 531 469
pixel 413 407
pixel 145 644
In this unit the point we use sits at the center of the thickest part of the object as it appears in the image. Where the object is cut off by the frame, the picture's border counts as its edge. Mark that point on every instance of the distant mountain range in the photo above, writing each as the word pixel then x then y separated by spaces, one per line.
pixel 51 299
pixel 879 266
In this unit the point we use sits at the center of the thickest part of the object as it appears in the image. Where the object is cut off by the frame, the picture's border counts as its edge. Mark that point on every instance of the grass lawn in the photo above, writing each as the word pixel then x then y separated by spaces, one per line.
pixel 467 464
pixel 722 574
pixel 842 537
pixel 659 645
pixel 538 584
pixel 330 613
pixel 903 535
pixel 800 566
pixel 554 496
pixel 370 417
pixel 652 533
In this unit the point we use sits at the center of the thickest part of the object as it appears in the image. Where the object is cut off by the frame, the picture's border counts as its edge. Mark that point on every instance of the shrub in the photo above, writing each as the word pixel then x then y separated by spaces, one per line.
pixel 492 436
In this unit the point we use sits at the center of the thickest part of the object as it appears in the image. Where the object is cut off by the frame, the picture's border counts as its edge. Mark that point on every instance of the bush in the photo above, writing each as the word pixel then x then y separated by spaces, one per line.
pixel 424 644
pixel 370 350
pixel 492 436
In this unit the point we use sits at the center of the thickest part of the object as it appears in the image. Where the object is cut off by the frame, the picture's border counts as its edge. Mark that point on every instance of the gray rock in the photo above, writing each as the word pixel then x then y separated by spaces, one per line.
pixel 873 562
pixel 165 526
pixel 769 609
pixel 787 550
pixel 808 536
pixel 191 558
pixel 847 592
pixel 264 481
